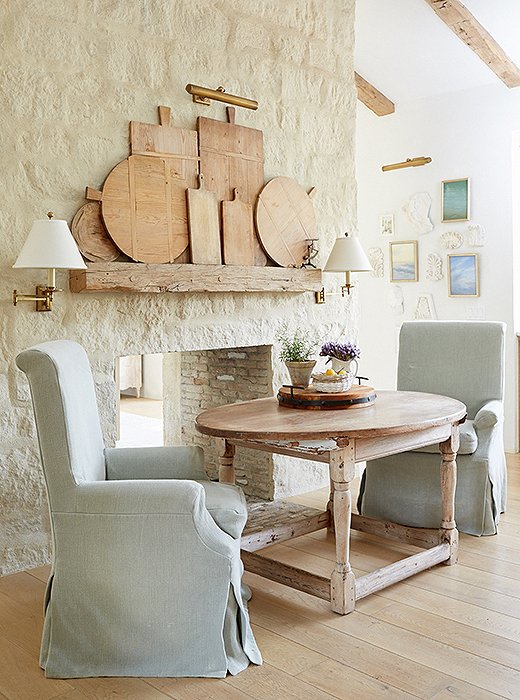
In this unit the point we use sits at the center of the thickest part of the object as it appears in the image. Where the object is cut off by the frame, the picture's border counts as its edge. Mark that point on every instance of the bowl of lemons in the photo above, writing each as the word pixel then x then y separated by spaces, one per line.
pixel 332 382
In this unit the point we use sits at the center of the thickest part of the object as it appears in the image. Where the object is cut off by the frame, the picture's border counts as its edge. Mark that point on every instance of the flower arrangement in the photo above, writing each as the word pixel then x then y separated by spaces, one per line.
pixel 296 346
pixel 341 351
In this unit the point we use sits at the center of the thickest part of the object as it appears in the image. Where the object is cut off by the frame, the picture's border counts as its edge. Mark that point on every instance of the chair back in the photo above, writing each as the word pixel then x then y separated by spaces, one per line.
pixel 461 359
pixel 66 414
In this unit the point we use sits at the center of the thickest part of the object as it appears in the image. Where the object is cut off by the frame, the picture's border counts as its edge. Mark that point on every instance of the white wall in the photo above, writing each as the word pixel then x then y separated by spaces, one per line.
pixel 467 133
pixel 152 376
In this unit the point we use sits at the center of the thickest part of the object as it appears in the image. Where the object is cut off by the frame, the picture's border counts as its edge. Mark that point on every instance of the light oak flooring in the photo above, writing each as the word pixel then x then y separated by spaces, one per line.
pixel 151 408
pixel 448 633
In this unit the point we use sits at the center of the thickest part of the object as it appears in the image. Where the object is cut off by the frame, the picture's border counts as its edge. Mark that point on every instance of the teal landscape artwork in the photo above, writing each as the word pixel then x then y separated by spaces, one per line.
pixel 463 275
pixel 455 200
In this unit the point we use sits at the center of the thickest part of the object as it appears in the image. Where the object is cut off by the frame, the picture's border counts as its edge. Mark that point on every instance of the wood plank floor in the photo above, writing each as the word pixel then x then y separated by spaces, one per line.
pixel 447 633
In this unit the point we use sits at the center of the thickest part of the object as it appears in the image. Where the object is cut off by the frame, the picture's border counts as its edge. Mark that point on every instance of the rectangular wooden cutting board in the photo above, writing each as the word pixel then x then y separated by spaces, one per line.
pixel 232 156
pixel 203 224
pixel 238 235
pixel 163 139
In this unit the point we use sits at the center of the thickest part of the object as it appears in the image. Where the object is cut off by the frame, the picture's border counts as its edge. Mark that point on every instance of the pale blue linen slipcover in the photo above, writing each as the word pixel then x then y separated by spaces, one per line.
pixel 146 577
pixel 464 360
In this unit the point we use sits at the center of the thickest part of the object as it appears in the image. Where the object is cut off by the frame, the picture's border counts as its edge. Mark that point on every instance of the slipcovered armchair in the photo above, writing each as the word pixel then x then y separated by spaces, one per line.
pixel 146 577
pixel 464 360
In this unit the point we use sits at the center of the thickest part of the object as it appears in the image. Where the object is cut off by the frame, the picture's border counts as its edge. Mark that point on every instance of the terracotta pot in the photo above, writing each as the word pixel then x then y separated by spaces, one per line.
pixel 300 372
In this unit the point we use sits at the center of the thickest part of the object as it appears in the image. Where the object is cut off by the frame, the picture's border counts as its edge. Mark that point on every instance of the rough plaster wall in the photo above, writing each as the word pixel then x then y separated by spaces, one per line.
pixel 73 74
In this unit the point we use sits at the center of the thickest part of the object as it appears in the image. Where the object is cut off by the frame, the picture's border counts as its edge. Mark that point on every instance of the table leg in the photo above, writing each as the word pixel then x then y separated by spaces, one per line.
pixel 342 582
pixel 330 508
pixel 226 455
pixel 448 531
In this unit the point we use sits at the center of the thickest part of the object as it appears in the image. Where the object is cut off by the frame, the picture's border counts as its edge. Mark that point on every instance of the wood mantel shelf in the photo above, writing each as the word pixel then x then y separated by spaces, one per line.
pixel 142 277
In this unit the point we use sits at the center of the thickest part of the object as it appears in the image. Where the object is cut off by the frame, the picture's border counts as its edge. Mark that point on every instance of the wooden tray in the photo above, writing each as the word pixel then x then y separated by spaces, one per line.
pixel 293 397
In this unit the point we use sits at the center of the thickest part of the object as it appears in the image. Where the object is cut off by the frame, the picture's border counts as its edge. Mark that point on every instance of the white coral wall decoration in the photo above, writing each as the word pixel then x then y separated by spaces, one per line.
pixel 434 267
pixel 452 240
pixel 425 309
pixel 396 300
pixel 476 235
pixel 377 260
pixel 417 210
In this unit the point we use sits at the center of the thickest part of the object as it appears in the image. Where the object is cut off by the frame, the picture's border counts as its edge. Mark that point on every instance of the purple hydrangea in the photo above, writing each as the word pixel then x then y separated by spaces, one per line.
pixel 341 351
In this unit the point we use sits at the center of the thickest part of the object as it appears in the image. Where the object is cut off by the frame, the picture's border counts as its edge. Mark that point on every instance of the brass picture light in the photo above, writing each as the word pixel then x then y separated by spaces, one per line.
pixel 408 163
pixel 203 96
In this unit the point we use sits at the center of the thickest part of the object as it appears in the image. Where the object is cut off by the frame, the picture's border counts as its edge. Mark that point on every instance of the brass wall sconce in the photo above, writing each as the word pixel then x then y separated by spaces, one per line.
pixel 408 163
pixel 49 245
pixel 203 96
pixel 346 256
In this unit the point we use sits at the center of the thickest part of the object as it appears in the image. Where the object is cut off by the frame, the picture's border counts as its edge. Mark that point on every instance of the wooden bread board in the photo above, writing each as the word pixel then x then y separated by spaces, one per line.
pixel 91 235
pixel 285 220
pixel 144 206
pixel 309 399
pixel 163 139
pixel 238 236
pixel 203 224
pixel 232 156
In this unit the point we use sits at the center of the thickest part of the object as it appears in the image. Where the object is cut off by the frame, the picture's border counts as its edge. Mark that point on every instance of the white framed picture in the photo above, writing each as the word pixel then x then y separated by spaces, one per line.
pixel 386 225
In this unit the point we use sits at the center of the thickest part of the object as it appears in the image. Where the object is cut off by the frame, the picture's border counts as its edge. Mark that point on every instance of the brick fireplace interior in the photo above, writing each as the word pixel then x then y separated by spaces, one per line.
pixel 195 380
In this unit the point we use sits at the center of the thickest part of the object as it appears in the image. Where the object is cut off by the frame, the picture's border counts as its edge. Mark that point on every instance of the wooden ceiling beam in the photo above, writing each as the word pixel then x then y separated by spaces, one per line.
pixel 462 23
pixel 372 98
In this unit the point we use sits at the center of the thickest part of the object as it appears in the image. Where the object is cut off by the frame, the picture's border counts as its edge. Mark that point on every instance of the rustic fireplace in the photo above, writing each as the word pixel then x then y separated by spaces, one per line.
pixel 200 379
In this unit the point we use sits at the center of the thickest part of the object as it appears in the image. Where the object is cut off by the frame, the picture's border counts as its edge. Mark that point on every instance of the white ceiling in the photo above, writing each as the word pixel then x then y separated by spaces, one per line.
pixel 405 50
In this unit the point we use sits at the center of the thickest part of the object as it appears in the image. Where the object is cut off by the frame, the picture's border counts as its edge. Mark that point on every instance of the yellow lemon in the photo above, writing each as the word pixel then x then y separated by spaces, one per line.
pixel 342 371
pixel 330 372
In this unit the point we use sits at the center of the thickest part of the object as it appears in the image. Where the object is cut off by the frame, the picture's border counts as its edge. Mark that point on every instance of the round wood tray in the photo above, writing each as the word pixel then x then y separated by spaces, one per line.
pixel 357 397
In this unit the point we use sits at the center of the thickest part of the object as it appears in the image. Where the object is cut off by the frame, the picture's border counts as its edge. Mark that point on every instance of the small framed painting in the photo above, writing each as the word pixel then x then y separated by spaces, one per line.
pixel 463 275
pixel 386 224
pixel 403 261
pixel 455 200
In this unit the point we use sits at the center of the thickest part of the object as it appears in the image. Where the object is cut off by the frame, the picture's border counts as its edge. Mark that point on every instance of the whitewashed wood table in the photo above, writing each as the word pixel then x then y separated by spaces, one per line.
pixel 398 421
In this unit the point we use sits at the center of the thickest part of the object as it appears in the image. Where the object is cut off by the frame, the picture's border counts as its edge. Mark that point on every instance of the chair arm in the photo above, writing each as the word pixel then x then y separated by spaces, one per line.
pixel 175 462
pixel 136 497
pixel 489 415
pixel 177 505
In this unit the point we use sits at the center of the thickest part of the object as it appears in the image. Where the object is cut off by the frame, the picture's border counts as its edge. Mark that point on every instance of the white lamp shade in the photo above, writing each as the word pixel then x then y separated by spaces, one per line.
pixel 347 255
pixel 50 245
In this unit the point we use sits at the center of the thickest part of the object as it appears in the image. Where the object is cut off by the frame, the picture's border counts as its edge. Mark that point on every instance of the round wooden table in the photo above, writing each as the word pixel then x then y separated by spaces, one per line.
pixel 398 421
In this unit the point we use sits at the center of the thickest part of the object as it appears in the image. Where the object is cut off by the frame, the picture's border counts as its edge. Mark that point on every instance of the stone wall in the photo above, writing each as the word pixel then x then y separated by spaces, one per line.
pixel 72 75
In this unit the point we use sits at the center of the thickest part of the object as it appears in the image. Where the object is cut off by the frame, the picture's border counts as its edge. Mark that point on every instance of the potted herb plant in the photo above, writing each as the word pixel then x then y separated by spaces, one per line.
pixel 296 351
pixel 342 355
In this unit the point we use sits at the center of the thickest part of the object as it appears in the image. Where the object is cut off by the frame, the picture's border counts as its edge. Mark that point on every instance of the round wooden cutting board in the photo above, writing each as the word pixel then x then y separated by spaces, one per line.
pixel 285 218
pixel 91 235
pixel 144 208
pixel 357 397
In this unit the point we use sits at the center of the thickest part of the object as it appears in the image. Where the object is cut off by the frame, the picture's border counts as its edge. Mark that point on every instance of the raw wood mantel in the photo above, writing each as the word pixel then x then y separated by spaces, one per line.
pixel 141 277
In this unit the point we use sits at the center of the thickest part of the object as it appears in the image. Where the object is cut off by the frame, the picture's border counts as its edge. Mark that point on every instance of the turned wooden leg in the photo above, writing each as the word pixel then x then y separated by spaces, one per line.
pixel 226 455
pixel 448 530
pixel 330 508
pixel 342 581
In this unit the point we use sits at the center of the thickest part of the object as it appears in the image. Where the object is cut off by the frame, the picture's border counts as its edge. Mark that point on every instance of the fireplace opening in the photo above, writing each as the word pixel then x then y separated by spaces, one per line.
pixel 140 393
pixel 162 394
